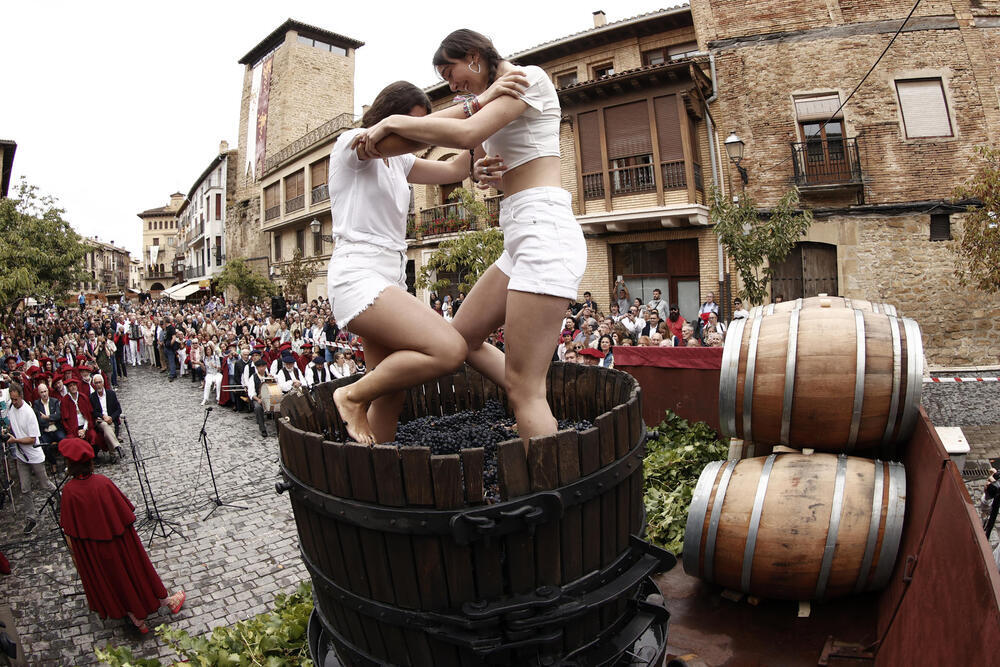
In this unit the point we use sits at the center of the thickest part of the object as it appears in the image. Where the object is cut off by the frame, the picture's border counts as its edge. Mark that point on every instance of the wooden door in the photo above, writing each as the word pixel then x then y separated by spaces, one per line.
pixel 810 269
pixel 786 281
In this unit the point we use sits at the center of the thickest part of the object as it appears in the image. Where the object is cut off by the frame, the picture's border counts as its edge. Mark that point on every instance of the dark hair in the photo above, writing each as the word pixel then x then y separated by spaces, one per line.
pixel 461 43
pixel 600 340
pixel 396 98
pixel 75 468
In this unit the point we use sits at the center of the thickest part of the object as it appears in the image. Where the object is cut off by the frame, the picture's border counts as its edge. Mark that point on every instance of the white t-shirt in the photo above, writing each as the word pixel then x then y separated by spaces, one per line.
pixel 535 133
pixel 369 199
pixel 24 424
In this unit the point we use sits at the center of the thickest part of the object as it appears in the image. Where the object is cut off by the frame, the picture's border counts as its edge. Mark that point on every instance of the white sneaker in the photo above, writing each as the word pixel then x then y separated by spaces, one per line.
pixel 203 401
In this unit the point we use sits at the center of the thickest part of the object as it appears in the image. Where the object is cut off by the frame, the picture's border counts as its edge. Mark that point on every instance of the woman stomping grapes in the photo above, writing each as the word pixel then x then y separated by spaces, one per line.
pixel 544 257
pixel 366 278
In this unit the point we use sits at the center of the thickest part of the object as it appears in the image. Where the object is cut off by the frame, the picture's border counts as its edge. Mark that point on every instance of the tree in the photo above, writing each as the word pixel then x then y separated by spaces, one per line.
pixel 470 254
pixel 755 243
pixel 250 284
pixel 978 249
pixel 40 254
pixel 298 273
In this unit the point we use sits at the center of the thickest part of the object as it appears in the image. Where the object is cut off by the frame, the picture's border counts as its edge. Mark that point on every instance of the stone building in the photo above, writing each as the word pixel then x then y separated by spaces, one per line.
pixel 162 258
pixel 201 220
pixel 878 169
pixel 298 87
pixel 636 156
pixel 109 266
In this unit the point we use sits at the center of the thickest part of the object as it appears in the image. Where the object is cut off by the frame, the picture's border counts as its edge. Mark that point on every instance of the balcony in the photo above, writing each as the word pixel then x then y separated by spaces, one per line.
pixel 446 219
pixel 827 164
pixel 493 211
pixel 194 272
pixel 157 275
pixel 320 193
pixel 272 212
pixel 411 225
pixel 632 179
pixel 638 178
pixel 295 204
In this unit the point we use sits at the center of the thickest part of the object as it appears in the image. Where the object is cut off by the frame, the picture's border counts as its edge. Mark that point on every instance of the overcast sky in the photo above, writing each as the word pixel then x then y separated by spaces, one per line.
pixel 115 105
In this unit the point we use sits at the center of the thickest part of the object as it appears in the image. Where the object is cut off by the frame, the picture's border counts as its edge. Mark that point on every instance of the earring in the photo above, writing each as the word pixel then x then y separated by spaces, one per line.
pixel 478 68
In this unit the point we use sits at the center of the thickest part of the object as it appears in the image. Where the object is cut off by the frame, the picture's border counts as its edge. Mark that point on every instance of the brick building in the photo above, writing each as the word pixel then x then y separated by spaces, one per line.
pixel 109 266
pixel 879 174
pixel 162 257
pixel 298 89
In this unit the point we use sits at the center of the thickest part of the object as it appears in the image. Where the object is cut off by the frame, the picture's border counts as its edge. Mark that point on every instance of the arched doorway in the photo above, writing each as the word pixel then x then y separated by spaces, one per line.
pixel 809 269
pixel 157 287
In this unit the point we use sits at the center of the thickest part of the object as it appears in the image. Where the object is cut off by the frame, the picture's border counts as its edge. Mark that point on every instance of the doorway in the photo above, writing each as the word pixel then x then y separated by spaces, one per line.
pixel 810 269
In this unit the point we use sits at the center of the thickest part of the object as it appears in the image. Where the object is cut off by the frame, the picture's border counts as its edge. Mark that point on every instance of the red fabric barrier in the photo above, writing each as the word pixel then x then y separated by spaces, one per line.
pixel 702 358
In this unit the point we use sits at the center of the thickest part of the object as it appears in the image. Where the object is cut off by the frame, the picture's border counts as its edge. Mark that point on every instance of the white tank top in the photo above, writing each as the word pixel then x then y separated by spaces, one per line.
pixel 369 199
pixel 535 133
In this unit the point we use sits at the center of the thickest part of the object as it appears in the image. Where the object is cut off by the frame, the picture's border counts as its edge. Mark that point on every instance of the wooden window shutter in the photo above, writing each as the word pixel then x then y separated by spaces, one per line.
pixel 271 195
pixel 925 113
pixel 319 172
pixel 590 143
pixel 668 128
pixel 628 130
pixel 818 108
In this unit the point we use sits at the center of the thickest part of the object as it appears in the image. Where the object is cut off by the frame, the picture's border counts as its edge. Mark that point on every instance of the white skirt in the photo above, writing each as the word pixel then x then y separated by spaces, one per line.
pixel 357 275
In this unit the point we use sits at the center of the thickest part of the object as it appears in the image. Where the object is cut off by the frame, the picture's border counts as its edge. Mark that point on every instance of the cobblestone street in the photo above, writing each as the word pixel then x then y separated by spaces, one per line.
pixel 231 564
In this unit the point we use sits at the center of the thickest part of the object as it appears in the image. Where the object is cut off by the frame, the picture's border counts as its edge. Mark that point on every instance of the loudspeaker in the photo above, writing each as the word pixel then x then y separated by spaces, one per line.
pixel 278 307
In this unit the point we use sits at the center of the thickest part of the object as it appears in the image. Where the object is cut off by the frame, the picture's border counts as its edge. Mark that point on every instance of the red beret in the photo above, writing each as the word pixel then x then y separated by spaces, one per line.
pixel 66 368
pixel 71 381
pixel 285 346
pixel 258 347
pixel 275 339
pixel 304 345
pixel 76 450
pixel 591 352
pixel 19 364
pixel 42 360
pixel 83 367
pixel 32 370
pixel 62 360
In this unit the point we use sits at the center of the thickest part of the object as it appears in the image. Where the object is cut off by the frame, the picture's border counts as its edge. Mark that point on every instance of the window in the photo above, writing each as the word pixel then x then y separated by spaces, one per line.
pixel 564 79
pixel 218 206
pixel 940 227
pixel 271 195
pixel 630 148
pixel 319 172
pixel 322 46
pixel 156 240
pixel 300 241
pixel 317 243
pixel 294 191
pixel 685 50
pixel 925 111
pixel 605 69
pixel 654 57
pixel 277 246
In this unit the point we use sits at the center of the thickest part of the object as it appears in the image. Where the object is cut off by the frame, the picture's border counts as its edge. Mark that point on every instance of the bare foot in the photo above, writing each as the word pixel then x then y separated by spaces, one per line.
pixel 355 416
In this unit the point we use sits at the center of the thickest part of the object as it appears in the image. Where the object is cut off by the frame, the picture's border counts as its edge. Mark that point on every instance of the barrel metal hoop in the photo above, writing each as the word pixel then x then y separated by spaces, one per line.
pixel 770 309
pixel 890 310
pixel 836 509
pixel 749 379
pixel 355 655
pixel 847 304
pixel 873 526
pixel 897 372
pixel 696 517
pixel 476 523
pixel 859 380
pixel 727 380
pixel 758 506
pixel 914 377
pixel 875 308
pixel 790 358
pixel 893 526
pixel 798 304
pixel 713 524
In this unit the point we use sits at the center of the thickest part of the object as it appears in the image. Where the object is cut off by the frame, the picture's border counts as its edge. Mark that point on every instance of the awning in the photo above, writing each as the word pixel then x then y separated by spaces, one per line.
pixel 185 290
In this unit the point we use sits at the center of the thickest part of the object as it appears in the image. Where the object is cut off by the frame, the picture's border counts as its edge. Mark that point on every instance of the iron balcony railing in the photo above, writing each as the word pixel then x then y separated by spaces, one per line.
pixel 493 211
pixel 272 212
pixel 827 162
pixel 295 203
pixel 320 193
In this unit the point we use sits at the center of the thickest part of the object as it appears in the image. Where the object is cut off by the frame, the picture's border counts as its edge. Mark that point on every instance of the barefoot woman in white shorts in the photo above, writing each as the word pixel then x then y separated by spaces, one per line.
pixel 544 257
pixel 366 278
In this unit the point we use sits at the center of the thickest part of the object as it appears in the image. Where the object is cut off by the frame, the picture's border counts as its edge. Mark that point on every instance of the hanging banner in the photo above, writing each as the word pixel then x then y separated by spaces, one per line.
pixel 265 93
pixel 251 156
pixel 154 252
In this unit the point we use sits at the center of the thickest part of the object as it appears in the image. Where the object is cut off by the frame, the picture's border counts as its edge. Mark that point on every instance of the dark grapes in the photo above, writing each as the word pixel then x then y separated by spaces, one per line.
pixel 486 428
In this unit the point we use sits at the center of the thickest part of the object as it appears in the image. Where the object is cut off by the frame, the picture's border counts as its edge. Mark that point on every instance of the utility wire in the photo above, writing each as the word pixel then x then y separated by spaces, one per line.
pixel 863 79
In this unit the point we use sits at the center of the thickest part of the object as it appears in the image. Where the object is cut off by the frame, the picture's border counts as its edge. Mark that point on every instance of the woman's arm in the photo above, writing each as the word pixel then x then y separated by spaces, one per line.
pixel 434 172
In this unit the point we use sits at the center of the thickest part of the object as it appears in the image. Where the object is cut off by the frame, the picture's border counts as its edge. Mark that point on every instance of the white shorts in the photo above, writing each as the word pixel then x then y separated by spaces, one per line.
pixel 358 273
pixel 544 251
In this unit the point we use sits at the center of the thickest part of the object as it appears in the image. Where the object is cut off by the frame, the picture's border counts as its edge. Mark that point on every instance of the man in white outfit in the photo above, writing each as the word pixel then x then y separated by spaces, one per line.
pixel 26 438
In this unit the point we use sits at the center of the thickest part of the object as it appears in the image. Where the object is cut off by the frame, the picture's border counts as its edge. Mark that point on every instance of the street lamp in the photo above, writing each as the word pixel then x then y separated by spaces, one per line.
pixel 316 226
pixel 734 149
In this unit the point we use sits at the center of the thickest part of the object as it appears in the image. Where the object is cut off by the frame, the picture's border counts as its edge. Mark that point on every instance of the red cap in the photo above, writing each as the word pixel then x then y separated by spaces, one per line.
pixel 275 340
pixel 62 360
pixel 284 346
pixel 591 352
pixel 71 381
pixel 66 368
pixel 305 345
pixel 32 370
pixel 76 450
pixel 84 367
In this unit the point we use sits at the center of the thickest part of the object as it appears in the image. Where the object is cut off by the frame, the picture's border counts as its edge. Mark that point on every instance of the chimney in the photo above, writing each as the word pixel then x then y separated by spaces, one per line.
pixel 600 20
pixel 223 146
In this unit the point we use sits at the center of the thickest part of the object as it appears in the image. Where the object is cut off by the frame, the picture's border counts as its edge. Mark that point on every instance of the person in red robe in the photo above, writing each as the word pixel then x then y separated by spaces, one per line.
pixel 75 401
pixel 99 522
pixel 302 360
pixel 224 369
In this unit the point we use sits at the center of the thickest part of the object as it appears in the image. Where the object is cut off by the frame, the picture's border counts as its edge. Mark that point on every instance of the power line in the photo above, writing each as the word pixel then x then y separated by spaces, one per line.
pixel 863 79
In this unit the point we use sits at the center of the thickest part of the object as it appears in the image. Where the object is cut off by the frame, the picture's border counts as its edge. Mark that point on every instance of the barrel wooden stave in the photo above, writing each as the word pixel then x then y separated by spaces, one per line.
pixel 794 524
pixel 821 409
pixel 448 575
pixel 832 302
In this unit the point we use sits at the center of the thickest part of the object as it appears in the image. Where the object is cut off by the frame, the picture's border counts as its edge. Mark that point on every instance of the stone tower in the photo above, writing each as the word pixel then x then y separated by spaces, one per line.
pixel 295 79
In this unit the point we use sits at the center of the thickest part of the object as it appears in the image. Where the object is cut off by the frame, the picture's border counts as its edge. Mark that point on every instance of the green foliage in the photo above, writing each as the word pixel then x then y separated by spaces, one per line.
pixel 275 639
pixel 676 453
pixel 40 253
pixel 298 273
pixel 756 244
pixel 470 254
pixel 250 284
pixel 978 250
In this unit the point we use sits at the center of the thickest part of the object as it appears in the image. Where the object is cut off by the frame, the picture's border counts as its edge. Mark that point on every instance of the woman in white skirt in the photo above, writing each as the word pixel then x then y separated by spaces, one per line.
pixel 213 372
pixel 366 278
pixel 516 139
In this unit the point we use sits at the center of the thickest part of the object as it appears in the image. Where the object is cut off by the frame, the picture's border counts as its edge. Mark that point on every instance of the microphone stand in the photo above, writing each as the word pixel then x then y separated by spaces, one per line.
pixel 203 438
pixel 160 526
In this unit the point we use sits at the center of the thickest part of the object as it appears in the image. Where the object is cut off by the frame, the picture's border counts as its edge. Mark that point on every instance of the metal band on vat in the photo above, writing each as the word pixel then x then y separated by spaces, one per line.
pixel 748 381
pixel 893 526
pixel 859 379
pixel 728 377
pixel 758 505
pixel 713 523
pixel 897 372
pixel 836 508
pixel 790 356
pixel 697 511
pixel 914 377
pixel 873 526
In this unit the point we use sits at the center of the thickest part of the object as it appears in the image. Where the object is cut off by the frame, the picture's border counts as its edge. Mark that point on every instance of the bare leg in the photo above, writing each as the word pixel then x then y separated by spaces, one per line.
pixel 383 413
pixel 530 336
pixel 424 350
pixel 482 312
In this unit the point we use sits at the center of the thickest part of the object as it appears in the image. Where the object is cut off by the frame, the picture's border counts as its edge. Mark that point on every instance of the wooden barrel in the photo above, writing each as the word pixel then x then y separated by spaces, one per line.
pixel 825 301
pixel 831 379
pixel 796 527
pixel 411 567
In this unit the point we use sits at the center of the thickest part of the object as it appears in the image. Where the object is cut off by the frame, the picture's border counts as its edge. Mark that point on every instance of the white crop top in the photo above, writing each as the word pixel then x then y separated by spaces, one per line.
pixel 369 199
pixel 535 133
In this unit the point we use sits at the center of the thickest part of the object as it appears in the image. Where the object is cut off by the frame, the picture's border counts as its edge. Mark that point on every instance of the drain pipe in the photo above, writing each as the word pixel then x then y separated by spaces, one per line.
pixel 716 177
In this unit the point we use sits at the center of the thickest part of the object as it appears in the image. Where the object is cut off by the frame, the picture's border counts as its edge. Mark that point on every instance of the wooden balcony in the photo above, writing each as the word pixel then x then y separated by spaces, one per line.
pixel 640 178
